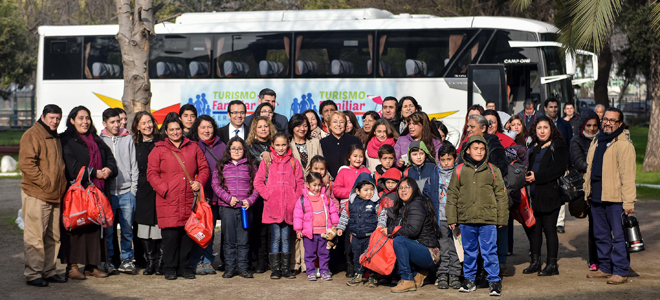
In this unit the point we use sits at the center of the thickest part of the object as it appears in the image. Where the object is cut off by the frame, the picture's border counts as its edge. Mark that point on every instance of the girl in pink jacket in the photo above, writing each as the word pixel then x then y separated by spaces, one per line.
pixel 314 216
pixel 347 174
pixel 280 184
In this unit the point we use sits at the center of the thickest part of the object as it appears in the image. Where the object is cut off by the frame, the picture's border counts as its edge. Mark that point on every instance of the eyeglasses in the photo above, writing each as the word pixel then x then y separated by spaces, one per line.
pixel 236 150
pixel 608 121
pixel 234 113
pixel 405 187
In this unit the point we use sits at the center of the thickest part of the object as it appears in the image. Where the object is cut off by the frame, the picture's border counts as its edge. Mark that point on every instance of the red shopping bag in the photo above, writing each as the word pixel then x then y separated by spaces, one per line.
pixel 522 212
pixel 99 207
pixel 75 205
pixel 380 256
pixel 200 224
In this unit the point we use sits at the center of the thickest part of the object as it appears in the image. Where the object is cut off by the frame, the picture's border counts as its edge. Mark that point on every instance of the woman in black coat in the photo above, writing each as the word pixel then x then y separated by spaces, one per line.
pixel 589 128
pixel 145 136
pixel 416 241
pixel 82 147
pixel 547 161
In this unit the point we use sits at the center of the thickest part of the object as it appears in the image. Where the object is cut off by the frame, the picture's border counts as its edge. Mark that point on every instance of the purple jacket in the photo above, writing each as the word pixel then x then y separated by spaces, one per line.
pixel 218 149
pixel 401 147
pixel 237 180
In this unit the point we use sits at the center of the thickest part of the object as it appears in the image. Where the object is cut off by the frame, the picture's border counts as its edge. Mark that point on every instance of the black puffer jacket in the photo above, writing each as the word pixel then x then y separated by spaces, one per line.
pixel 145 210
pixel 416 224
pixel 580 143
pixel 547 196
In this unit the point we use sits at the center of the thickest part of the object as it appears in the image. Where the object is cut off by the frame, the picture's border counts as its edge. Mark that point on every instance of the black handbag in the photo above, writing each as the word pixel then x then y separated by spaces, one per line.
pixel 571 185
pixel 578 208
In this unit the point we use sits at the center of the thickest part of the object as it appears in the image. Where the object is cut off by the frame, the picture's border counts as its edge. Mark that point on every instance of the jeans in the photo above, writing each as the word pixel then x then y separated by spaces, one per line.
pixel 123 207
pixel 201 255
pixel 610 241
pixel 476 236
pixel 359 246
pixel 411 256
pixel 235 238
pixel 279 238
pixel 316 248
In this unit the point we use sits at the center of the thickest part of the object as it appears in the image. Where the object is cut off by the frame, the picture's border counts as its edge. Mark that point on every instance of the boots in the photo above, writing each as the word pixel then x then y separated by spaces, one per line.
pixel 534 266
pixel 73 272
pixel 350 270
pixel 261 266
pixel 149 247
pixel 159 258
pixel 286 272
pixel 274 259
pixel 551 268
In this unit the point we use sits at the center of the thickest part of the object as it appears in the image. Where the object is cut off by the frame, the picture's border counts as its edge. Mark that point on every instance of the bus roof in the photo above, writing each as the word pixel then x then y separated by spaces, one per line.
pixel 308 20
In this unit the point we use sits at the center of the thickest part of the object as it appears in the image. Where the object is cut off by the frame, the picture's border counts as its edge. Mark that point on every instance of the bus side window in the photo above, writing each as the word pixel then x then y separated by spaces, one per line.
pixel 102 58
pixel 333 54
pixel 252 55
pixel 63 58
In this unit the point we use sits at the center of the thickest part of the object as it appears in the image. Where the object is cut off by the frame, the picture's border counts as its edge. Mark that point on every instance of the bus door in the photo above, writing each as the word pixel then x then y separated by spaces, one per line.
pixel 523 82
pixel 487 82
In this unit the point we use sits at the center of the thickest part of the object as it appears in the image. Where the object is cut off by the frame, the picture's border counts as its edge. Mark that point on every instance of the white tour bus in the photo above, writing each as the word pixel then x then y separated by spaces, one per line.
pixel 354 57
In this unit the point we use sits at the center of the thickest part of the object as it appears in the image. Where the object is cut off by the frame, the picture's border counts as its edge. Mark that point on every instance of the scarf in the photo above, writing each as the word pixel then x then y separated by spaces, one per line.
pixel 472 161
pixel 591 137
pixel 95 160
pixel 53 133
pixel 210 142
pixel 603 142
pixel 280 158
pixel 374 144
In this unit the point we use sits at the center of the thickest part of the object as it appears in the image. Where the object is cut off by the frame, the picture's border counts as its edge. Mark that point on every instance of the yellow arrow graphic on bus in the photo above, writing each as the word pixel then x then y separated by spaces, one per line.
pixel 442 115
pixel 112 102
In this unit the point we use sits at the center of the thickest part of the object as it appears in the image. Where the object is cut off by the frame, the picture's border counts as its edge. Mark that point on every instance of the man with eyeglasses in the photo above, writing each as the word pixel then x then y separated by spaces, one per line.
pixel 610 189
pixel 269 96
pixel 236 126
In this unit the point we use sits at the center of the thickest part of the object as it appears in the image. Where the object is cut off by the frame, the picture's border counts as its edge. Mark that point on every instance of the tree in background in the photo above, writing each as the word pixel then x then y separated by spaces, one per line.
pixel 589 24
pixel 16 61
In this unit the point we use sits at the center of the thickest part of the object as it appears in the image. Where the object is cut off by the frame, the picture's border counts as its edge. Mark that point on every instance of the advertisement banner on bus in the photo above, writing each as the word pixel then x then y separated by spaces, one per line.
pixel 292 97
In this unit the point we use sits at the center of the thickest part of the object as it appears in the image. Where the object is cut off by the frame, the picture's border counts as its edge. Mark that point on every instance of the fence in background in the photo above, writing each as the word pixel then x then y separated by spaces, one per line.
pixel 18 112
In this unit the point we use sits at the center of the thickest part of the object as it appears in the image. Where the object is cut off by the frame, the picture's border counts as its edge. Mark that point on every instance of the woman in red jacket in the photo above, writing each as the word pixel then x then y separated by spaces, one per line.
pixel 175 193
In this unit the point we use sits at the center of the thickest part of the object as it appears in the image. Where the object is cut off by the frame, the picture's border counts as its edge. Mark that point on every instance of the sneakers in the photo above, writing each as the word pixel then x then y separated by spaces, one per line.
pixel 311 277
pixel 229 274
pixel 209 269
pixel 454 282
pixel 127 266
pixel 561 229
pixel 616 279
pixel 404 286
pixel 110 269
pixel 246 274
pixel 598 274
pixel 357 280
pixel 200 270
pixel 170 275
pixel 373 283
pixel 326 276
pixel 442 282
pixel 593 267
pixel 468 286
pixel 496 288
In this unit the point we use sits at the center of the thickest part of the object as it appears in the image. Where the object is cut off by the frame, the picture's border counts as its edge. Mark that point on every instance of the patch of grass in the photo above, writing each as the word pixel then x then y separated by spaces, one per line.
pixel 10 137
pixel 11 177
pixel 648 193
pixel 639 136
pixel 10 221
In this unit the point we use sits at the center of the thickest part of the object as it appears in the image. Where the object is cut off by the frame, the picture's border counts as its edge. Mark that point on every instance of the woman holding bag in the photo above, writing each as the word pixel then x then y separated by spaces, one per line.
pixel 175 193
pixel 82 147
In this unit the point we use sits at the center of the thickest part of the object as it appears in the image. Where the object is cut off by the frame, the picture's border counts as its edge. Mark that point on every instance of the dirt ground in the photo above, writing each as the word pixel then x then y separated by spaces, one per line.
pixel 644 281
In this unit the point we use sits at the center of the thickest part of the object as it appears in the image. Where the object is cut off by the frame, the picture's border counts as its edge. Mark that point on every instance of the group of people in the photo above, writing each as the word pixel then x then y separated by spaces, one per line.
pixel 311 184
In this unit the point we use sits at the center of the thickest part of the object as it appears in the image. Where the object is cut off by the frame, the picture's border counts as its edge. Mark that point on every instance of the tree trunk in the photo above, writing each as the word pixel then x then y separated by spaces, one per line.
pixel 622 93
pixel 604 66
pixel 652 158
pixel 133 36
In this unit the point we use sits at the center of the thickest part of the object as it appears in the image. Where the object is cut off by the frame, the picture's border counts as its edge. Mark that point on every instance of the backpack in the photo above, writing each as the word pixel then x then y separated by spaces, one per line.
pixel 515 178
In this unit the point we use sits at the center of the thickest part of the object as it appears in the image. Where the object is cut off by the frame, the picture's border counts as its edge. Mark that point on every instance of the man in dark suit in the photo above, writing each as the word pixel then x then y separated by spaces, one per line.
pixel 268 95
pixel 236 127
pixel 551 106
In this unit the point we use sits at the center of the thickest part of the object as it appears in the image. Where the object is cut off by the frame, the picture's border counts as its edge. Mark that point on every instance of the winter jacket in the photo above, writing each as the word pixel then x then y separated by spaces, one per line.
pixel 303 215
pixel 547 195
pixel 565 128
pixel 505 140
pixel 76 156
pixel 444 178
pixel 403 143
pixel 416 224
pixel 619 171
pixel 123 148
pixel 257 148
pixel 479 196
pixel 580 143
pixel 426 175
pixel 145 205
pixel 362 215
pixel 346 179
pixel 40 161
pixel 387 197
pixel 313 149
pixel 175 197
pixel 213 155
pixel 283 188
pixel 497 155
pixel 237 181
pixel 531 119
pixel 339 149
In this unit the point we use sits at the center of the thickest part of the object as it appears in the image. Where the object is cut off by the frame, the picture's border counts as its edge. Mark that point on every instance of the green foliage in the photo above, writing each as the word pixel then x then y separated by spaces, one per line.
pixel 639 136
pixel 16 61
pixel 10 137
pixel 644 192
pixel 636 21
